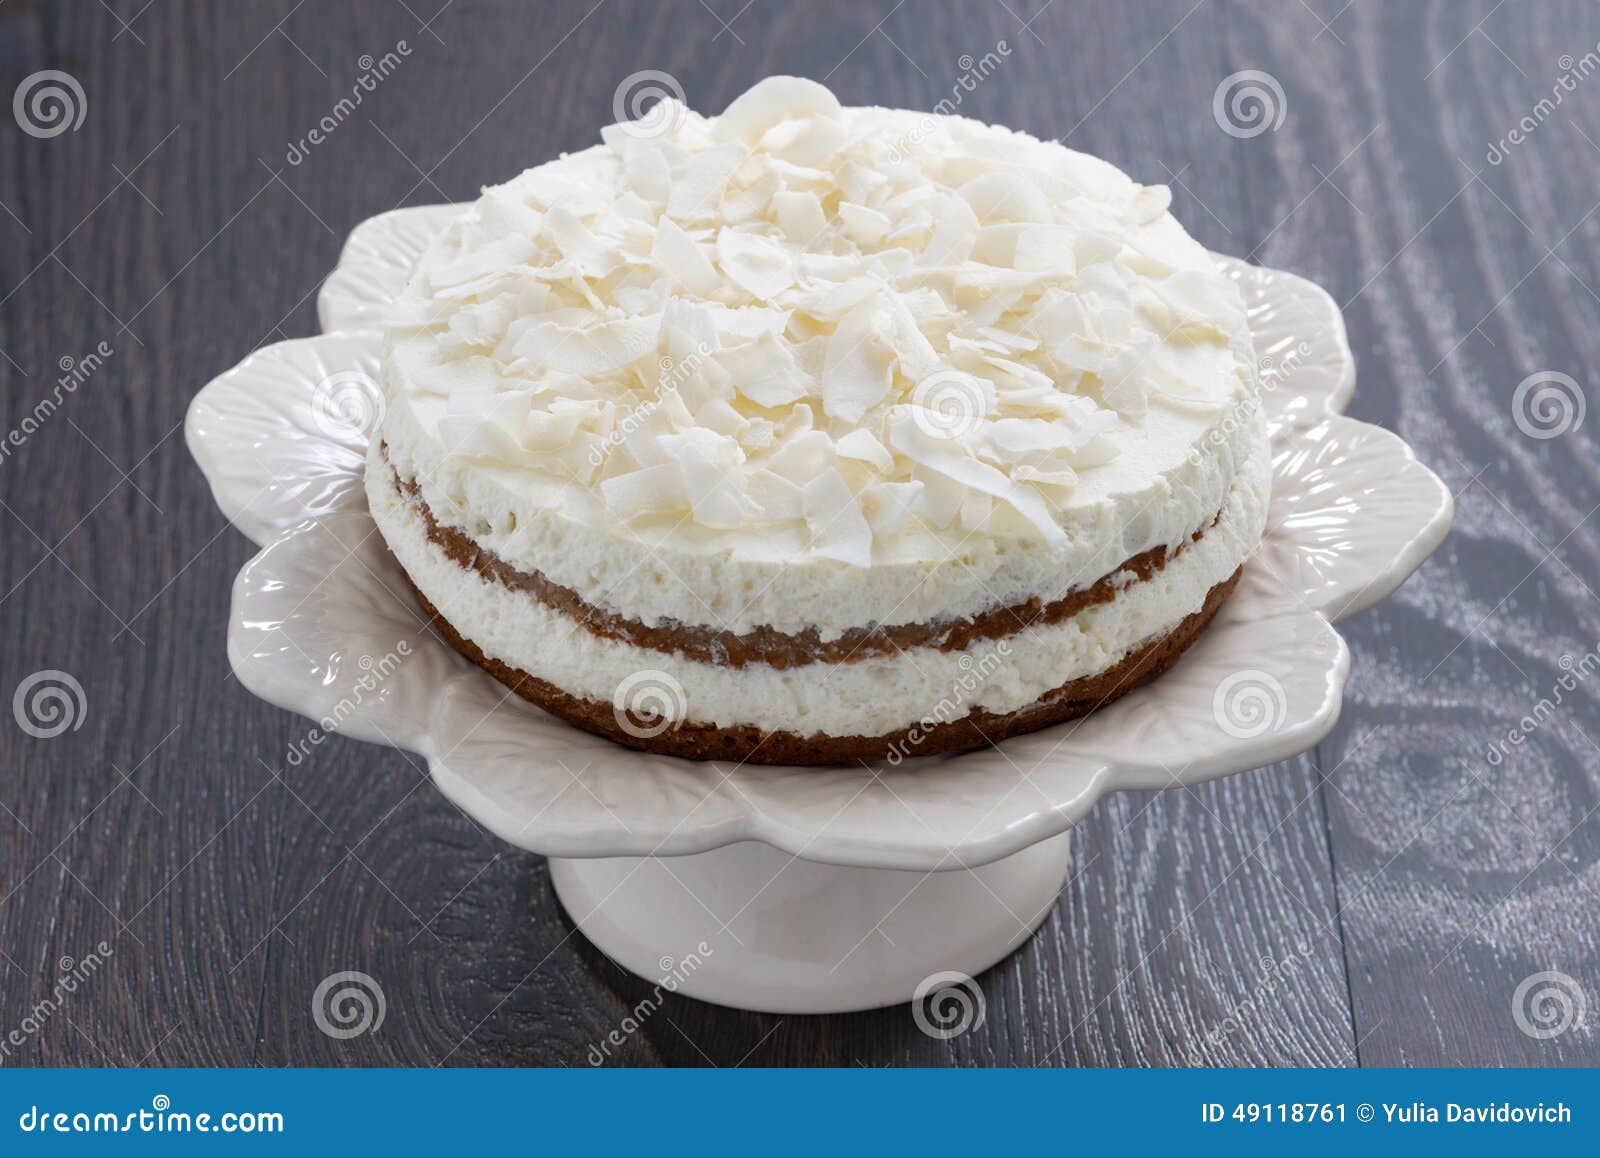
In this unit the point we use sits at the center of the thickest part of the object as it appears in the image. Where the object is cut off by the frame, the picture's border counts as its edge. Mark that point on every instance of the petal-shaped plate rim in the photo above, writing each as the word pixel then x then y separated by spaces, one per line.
pixel 343 302
pixel 1396 557
pixel 204 426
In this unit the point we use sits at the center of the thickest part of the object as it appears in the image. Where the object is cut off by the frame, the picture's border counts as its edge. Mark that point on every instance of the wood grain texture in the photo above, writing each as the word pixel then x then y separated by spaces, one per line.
pixel 1375 902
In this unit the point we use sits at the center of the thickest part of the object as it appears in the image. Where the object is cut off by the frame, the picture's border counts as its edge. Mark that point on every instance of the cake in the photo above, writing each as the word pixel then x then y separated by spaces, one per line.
pixel 809 434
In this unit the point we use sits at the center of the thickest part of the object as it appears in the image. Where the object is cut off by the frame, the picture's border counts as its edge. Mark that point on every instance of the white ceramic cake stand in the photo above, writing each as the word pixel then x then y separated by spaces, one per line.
pixel 788 889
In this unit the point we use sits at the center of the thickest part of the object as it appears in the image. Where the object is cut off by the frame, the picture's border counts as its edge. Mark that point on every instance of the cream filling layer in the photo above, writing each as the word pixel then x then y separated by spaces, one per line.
pixel 1167 480
pixel 870 697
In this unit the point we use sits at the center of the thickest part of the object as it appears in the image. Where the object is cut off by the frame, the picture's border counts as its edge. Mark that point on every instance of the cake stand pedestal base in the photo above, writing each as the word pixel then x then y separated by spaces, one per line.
pixel 754 928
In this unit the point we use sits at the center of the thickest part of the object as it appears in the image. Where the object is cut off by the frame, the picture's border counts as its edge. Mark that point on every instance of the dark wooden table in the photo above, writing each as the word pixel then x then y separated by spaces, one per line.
pixel 1376 902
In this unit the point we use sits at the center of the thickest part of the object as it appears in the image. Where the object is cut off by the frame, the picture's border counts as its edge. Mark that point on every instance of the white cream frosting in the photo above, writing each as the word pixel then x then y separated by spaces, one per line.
pixel 866 697
pixel 803 365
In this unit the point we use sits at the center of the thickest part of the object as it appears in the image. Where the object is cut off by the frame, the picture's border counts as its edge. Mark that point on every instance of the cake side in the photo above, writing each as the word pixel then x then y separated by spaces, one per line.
pixel 937 733
pixel 764 645
pixel 865 695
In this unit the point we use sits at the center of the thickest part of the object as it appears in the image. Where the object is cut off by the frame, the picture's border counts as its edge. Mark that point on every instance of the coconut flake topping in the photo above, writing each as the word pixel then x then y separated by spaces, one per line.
pixel 854 321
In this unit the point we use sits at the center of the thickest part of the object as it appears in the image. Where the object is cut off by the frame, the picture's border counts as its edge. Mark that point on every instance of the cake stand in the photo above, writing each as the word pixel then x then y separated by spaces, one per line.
pixel 794 890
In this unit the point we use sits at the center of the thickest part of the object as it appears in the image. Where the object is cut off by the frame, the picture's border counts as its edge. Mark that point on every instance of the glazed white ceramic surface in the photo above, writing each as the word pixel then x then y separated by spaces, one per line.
pixel 319 614
pixel 769 931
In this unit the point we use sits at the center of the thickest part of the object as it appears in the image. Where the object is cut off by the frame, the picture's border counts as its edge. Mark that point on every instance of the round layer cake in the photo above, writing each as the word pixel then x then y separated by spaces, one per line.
pixel 809 434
